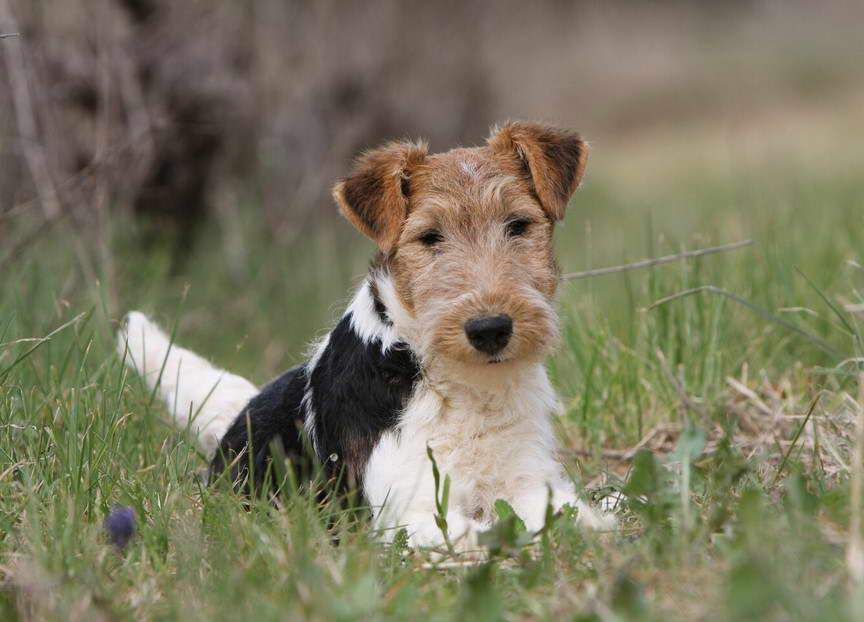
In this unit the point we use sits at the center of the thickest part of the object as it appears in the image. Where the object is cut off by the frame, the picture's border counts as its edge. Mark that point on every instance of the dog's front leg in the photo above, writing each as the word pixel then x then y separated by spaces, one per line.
pixel 400 488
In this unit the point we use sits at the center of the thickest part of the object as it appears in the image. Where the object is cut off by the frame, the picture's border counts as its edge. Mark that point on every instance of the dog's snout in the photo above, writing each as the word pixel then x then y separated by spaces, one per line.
pixel 490 335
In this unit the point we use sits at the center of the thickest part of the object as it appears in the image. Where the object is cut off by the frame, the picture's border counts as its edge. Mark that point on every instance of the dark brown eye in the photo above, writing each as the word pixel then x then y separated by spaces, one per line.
pixel 431 238
pixel 517 227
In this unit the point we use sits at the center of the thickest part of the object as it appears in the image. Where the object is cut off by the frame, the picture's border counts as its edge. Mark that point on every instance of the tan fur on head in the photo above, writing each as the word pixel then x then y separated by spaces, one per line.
pixel 555 159
pixel 468 234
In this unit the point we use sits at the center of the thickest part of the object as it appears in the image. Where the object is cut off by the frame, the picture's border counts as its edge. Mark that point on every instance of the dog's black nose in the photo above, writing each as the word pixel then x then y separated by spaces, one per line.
pixel 489 334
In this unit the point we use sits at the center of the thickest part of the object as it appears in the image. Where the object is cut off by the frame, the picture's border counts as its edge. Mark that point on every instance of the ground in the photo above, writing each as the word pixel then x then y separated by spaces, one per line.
pixel 744 408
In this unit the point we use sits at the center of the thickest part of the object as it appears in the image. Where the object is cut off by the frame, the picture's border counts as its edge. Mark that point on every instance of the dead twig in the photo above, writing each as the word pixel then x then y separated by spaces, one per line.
pixel 8 35
pixel 795 439
pixel 646 263
pixel 608 454
pixel 771 316
pixel 751 395
pixel 628 454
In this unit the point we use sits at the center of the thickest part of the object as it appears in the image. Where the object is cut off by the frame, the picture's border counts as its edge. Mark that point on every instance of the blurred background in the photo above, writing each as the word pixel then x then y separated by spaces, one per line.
pixel 177 156
pixel 181 154
pixel 182 113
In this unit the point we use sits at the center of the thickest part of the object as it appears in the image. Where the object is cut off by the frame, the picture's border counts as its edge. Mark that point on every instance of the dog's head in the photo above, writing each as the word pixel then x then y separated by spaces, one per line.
pixel 466 237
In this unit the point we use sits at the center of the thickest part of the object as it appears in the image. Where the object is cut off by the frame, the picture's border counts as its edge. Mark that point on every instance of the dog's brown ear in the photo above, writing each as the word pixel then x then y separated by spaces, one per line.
pixel 374 197
pixel 553 158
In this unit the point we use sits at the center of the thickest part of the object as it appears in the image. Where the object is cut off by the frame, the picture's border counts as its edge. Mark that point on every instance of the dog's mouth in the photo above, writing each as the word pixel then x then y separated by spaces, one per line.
pixel 497 360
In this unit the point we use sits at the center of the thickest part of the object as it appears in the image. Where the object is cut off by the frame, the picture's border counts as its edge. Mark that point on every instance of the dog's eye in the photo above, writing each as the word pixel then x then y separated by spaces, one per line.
pixel 431 238
pixel 517 227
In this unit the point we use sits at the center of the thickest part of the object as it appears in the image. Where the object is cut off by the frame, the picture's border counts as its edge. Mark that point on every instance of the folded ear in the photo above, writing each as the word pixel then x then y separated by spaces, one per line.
pixel 554 159
pixel 374 197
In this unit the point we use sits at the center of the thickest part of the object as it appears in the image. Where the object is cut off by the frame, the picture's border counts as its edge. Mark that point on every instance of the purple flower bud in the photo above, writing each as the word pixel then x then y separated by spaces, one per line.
pixel 120 525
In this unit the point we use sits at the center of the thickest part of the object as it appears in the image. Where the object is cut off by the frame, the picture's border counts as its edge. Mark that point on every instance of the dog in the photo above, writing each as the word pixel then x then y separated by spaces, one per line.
pixel 439 354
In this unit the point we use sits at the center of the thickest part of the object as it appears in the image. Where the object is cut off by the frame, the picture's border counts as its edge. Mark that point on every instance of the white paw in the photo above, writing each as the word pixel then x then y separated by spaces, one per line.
pixel 531 508
pixel 423 532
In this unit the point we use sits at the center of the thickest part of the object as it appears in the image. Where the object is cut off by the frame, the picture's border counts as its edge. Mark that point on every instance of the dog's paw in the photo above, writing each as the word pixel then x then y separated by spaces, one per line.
pixel 424 532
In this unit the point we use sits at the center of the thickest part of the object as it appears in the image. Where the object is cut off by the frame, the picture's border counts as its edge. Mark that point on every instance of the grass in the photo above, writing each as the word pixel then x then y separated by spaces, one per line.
pixel 738 502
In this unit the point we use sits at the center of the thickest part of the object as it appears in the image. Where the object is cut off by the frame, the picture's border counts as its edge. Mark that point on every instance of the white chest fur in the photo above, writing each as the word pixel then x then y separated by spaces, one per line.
pixel 494 443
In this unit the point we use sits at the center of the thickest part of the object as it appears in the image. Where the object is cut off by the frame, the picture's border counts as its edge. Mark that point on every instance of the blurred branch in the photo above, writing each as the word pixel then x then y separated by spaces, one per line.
pixel 8 35
pixel 34 154
pixel 97 166
pixel 27 239
pixel 34 151
pixel 645 263
pixel 94 168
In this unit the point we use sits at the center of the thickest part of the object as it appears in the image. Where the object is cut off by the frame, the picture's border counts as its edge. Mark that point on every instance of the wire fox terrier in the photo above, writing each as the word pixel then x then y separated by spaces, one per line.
pixel 442 346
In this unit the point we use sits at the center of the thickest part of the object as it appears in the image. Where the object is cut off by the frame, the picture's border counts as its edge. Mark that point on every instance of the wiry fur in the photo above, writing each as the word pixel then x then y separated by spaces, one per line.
pixel 463 235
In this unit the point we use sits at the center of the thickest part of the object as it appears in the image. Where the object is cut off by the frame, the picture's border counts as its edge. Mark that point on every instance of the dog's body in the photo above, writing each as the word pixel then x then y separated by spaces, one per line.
pixel 442 346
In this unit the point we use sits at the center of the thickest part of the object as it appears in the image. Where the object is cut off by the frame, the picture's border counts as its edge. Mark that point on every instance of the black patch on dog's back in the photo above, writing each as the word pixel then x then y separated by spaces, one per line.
pixel 357 393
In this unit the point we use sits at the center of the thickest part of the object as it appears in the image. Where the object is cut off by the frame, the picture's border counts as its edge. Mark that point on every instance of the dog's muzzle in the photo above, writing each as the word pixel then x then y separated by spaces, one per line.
pixel 491 334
